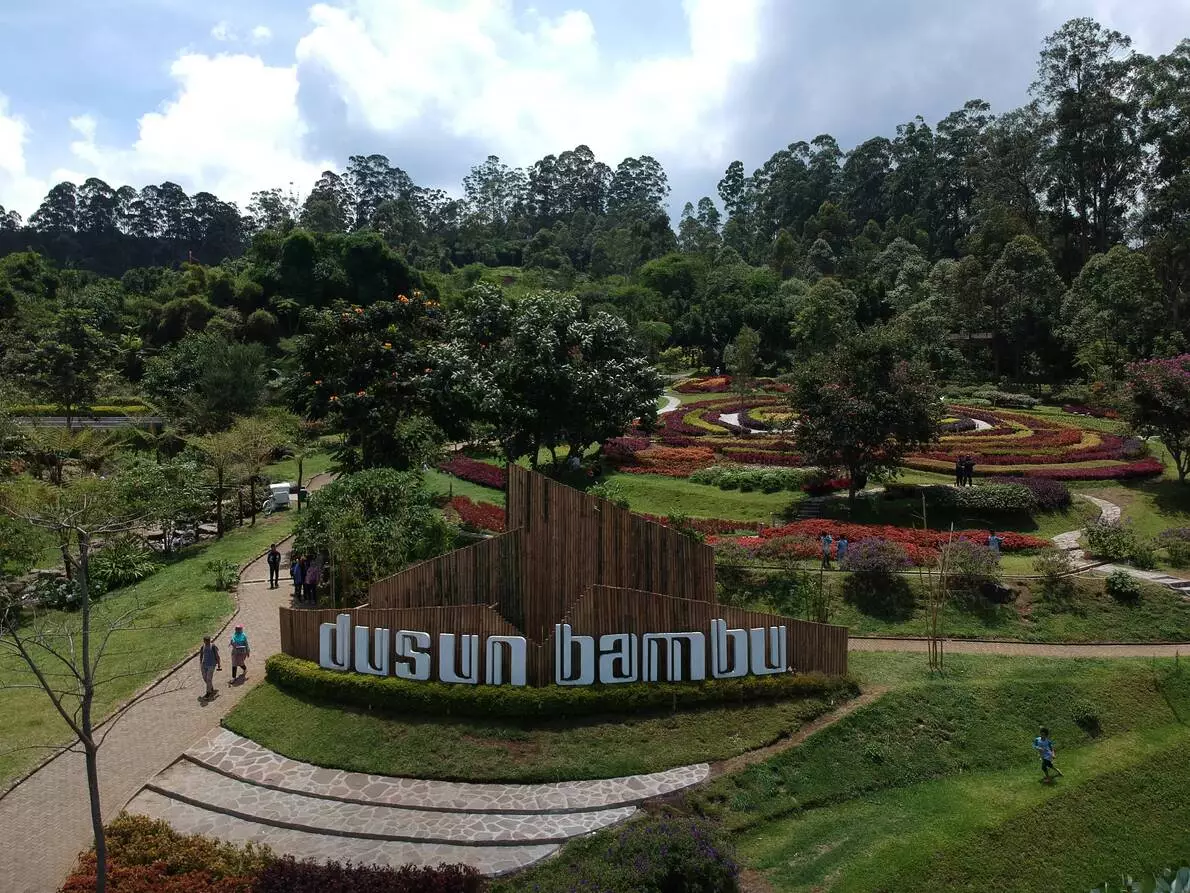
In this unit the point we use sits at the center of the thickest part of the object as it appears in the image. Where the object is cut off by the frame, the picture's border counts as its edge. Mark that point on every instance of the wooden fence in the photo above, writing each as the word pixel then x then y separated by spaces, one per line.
pixel 567 558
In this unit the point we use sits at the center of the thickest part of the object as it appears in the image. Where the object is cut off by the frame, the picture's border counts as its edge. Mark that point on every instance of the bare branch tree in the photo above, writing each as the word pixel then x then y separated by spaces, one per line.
pixel 81 514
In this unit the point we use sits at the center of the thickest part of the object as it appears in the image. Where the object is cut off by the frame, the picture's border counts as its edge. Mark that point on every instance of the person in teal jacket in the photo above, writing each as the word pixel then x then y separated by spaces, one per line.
pixel 239 652
pixel 1044 745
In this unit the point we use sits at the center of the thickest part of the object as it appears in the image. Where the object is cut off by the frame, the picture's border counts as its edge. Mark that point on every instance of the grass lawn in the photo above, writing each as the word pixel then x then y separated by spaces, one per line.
pixel 287 469
pixel 1091 616
pixel 177 606
pixel 935 786
pixel 655 494
pixel 502 750
pixel 437 482
pixel 1150 506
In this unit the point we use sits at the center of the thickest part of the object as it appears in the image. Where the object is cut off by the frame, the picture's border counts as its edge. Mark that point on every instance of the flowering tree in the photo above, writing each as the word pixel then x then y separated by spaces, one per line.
pixel 1160 391
pixel 366 371
pixel 863 407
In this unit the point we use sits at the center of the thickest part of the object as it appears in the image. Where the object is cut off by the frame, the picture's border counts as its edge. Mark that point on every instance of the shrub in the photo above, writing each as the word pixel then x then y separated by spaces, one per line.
pixel 1111 540
pixel 224 574
pixel 137 840
pixel 391 695
pixel 482 473
pixel 1176 543
pixel 875 585
pixel 969 566
pixel 1169 881
pixel 121 562
pixel 58 594
pixel 1086 717
pixel 1049 495
pixel 769 480
pixel 903 491
pixel 993 499
pixel 287 875
pixel 610 492
pixel 1003 398
pixel 1123 587
pixel 654 855
pixel 1055 568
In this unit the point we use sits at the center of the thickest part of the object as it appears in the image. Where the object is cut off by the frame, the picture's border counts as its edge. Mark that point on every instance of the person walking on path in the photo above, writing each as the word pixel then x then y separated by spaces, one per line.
pixel 240 652
pixel 274 562
pixel 841 549
pixel 208 662
pixel 826 540
pixel 994 544
pixel 298 572
pixel 1044 746
pixel 960 471
pixel 313 575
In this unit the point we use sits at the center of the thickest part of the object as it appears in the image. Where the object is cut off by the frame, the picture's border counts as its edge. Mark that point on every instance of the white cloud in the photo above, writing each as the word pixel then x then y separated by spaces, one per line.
pixel 18 191
pixel 223 33
pixel 262 34
pixel 233 128
pixel 525 86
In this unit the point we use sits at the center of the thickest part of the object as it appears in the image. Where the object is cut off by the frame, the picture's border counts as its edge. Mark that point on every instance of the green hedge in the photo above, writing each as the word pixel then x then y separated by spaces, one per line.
pixel 103 411
pixel 389 694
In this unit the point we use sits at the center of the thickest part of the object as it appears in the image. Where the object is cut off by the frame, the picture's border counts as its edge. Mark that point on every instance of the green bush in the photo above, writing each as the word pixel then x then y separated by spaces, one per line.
pixel 224 574
pixel 100 411
pixel 388 694
pixel 136 840
pixel 121 562
pixel 1055 567
pixel 1169 881
pixel 1123 587
pixel 768 480
pixel 1111 540
pixel 1176 542
pixel 985 499
pixel 970 566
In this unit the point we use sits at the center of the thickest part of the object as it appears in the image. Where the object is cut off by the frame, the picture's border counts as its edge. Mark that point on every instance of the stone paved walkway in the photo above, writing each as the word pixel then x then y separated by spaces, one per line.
pixel 1109 511
pixel 44 822
pixel 230 787
pixel 671 403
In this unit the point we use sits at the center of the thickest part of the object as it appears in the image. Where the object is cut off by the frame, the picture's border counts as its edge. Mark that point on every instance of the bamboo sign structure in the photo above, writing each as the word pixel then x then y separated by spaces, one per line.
pixel 577 591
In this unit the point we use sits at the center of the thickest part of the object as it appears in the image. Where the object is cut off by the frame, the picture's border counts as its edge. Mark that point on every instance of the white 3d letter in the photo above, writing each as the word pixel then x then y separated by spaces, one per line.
pixel 363 662
pixel 330 635
pixel 413 648
pixel 729 651
pixel 777 650
pixel 564 669
pixel 676 645
pixel 448 671
pixel 516 648
pixel 621 649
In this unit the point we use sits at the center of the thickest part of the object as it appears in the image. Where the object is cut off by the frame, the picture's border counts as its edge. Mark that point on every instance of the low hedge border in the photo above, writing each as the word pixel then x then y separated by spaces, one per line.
pixel 33 410
pixel 388 694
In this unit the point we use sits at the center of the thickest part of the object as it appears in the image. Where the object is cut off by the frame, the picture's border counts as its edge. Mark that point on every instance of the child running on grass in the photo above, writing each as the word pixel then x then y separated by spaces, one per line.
pixel 1044 745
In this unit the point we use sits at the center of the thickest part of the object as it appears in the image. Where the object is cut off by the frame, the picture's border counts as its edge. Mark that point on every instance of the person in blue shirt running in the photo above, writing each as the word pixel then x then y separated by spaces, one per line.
pixel 1044 745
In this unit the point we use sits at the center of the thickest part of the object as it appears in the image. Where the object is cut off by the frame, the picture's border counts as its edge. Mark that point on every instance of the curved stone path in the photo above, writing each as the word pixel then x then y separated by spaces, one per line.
pixel 230 787
pixel 671 403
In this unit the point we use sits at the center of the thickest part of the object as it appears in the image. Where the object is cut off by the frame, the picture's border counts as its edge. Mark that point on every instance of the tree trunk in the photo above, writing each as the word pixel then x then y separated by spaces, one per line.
pixel 252 497
pixel 91 753
pixel 299 484
pixel 240 500
pixel 219 504
pixel 90 748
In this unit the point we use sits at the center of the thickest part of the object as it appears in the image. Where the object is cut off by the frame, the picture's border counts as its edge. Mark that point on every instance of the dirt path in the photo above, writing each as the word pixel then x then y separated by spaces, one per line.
pixel 1020 649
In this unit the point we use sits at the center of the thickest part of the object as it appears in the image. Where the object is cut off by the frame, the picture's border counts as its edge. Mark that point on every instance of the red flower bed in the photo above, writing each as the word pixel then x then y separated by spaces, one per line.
pixel 621 449
pixel 716 385
pixel 710 525
pixel 811 529
pixel 822 488
pixel 1088 410
pixel 1141 469
pixel 763 457
pixel 480 515
pixel 468 469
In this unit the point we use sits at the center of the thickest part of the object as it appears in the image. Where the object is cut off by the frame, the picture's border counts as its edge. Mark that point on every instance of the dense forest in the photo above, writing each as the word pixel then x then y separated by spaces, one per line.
pixel 1042 244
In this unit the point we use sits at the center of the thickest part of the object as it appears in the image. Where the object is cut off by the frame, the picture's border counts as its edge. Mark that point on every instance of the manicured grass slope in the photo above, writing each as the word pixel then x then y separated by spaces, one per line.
pixel 506 750
pixel 176 606
pixel 658 495
pixel 936 785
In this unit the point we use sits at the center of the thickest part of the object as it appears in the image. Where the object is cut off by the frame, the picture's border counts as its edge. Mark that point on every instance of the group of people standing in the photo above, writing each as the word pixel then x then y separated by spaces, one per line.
pixel 964 471
pixel 304 571
pixel 840 545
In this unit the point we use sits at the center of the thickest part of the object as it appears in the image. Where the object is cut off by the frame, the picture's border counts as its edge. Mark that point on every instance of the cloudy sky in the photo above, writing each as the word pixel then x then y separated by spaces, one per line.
pixel 237 95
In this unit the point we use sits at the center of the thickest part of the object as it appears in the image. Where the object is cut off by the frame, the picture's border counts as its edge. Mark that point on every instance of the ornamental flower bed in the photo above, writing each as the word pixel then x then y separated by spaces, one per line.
pixel 710 525
pixel 482 473
pixel 480 515
pixel 931 540
pixel 678 462
pixel 1075 409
